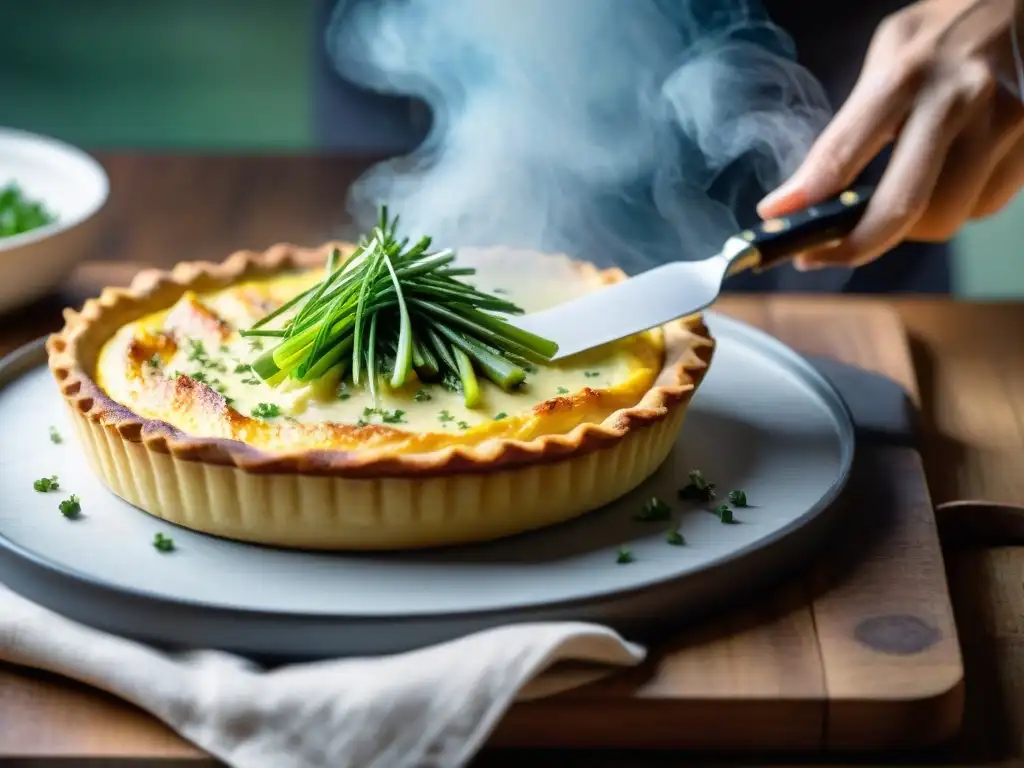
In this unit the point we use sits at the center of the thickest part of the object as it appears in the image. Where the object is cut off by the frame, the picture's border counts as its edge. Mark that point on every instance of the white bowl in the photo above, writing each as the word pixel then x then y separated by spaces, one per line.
pixel 71 185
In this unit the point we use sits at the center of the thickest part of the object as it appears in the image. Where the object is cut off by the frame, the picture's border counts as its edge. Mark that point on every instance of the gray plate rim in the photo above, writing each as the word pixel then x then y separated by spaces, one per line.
pixel 32 354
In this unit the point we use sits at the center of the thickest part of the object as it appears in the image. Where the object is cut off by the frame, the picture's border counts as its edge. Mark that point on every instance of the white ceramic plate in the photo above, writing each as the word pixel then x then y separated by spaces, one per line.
pixel 763 421
pixel 71 185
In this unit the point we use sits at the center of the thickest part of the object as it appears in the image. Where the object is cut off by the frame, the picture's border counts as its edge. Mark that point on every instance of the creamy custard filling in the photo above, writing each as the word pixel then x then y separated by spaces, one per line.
pixel 189 366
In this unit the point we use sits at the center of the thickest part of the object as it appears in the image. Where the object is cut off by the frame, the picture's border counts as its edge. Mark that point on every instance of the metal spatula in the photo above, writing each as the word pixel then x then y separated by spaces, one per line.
pixel 683 288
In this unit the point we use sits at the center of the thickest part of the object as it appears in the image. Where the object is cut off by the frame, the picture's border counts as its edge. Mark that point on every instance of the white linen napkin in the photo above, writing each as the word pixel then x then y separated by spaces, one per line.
pixel 433 707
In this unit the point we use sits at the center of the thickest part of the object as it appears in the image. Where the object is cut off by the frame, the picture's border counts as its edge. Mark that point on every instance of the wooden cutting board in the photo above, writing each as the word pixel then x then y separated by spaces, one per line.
pixel 860 652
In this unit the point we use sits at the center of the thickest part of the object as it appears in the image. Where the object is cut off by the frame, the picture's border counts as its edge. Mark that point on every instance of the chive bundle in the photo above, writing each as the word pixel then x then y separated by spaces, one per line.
pixel 394 311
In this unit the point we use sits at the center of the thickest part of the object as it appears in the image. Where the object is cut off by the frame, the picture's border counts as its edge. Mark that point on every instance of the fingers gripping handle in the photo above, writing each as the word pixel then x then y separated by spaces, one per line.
pixel 780 239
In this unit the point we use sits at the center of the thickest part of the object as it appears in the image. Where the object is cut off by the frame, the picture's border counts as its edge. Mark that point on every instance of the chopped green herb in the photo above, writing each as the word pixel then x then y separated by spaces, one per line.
pixel 255 345
pixel 55 437
pixel 242 368
pixel 444 416
pixel 500 416
pixel 675 538
pixel 46 484
pixel 19 214
pixel 71 507
pixel 463 425
pixel 422 396
pixel 362 423
pixel 197 354
pixel 654 509
pixel 196 351
pixel 154 361
pixel 738 498
pixel 624 556
pixel 591 374
pixel 387 417
pixel 724 513
pixel 266 411
pixel 502 291
pixel 699 489
pixel 562 391
pixel 225 348
pixel 252 381
pixel 396 416
pixel 163 543
pixel 199 376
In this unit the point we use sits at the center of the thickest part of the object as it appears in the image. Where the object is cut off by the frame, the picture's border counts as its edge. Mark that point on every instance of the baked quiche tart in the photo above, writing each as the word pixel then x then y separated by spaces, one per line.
pixel 239 399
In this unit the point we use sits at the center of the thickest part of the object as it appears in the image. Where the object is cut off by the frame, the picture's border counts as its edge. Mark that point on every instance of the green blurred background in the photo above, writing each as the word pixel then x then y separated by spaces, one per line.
pixel 237 75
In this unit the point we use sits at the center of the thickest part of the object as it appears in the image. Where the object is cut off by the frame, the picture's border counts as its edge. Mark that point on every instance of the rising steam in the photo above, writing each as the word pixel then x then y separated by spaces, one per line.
pixel 609 129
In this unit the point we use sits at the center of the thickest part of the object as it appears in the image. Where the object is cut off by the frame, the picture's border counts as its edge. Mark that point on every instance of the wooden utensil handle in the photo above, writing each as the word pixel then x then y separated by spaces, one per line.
pixel 780 239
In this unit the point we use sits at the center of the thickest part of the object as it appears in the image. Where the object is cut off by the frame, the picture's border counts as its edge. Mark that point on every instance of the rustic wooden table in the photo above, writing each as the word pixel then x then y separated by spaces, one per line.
pixel 970 365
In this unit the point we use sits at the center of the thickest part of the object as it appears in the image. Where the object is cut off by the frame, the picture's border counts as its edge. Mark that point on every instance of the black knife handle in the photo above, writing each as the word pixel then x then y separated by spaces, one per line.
pixel 778 240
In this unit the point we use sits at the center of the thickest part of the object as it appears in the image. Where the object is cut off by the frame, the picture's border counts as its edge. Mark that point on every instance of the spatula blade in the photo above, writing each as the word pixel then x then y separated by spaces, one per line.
pixel 650 299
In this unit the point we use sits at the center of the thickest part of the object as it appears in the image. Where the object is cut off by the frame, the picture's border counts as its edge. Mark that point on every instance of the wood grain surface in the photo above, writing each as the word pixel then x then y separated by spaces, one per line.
pixel 969 360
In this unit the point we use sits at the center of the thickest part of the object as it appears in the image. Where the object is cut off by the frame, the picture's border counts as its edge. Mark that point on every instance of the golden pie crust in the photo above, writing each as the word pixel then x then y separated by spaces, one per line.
pixel 324 499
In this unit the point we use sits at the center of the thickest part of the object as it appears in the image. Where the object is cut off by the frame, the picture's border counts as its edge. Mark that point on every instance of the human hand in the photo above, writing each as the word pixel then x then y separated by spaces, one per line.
pixel 930 84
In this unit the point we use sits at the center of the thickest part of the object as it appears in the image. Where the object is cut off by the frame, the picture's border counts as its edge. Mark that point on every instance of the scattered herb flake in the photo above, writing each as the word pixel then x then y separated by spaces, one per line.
pixel 699 489
pixel 624 556
pixel 266 411
pixel 724 514
pixel 591 374
pixel 46 484
pixel 562 391
pixel 500 416
pixel 163 543
pixel 499 290
pixel 654 509
pixel 675 538
pixel 738 498
pixel 255 345
pixel 387 417
pixel 197 354
pixel 154 361
pixel 55 437
pixel 444 416
pixel 396 416
pixel 196 351
pixel 253 381
pixel 71 507
pixel 463 425
pixel 242 368
pixel 422 396
pixel 199 376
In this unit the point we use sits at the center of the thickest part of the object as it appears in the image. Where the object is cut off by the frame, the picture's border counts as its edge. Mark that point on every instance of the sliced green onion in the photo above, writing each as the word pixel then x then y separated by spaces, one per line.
pixel 398 305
